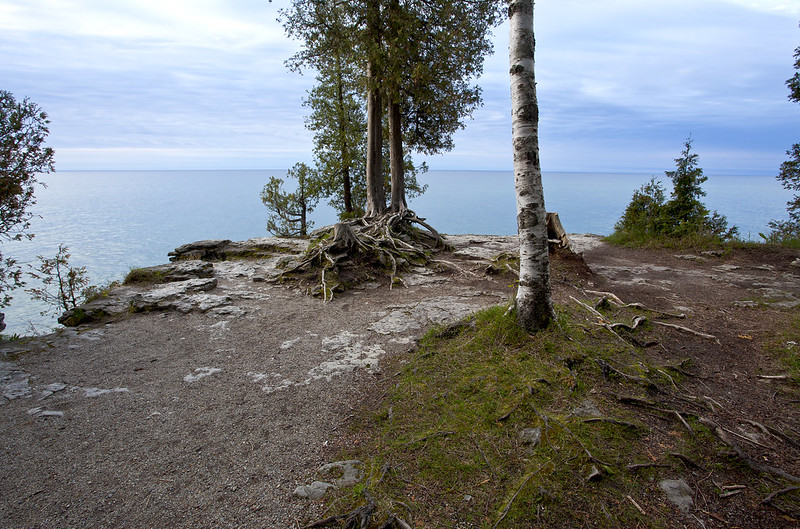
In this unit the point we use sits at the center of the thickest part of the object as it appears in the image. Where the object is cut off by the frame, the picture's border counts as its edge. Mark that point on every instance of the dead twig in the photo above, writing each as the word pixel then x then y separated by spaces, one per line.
pixel 639 466
pixel 435 434
pixel 514 497
pixel 358 518
pixel 612 421
pixel 777 493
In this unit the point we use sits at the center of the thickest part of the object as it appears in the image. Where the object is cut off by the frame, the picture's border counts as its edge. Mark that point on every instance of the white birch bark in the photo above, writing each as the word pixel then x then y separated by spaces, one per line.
pixel 534 306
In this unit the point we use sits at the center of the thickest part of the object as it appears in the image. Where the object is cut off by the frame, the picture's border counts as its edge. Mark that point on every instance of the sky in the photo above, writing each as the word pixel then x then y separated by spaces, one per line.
pixel 202 84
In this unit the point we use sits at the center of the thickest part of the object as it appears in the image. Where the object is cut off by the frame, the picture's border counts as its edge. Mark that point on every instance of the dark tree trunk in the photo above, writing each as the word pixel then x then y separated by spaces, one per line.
pixel 396 158
pixel 376 196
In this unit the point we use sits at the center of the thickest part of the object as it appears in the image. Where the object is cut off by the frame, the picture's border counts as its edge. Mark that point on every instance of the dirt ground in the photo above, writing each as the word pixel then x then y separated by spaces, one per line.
pixel 212 419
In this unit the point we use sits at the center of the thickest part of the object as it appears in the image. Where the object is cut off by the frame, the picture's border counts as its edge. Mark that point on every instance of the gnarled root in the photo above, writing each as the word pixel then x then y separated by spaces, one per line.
pixel 389 242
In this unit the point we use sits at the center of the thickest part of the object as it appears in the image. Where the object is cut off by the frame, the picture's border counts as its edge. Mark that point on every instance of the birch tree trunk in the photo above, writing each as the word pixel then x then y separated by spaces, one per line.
pixel 534 306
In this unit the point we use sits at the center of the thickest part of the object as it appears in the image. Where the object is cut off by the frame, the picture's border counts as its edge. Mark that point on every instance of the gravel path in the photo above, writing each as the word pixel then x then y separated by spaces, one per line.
pixel 209 419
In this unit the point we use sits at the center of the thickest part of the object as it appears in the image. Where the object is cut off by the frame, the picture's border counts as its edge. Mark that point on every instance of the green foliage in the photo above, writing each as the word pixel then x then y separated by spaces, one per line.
pixel 787 233
pixel 682 220
pixel 419 55
pixel 63 287
pixel 144 276
pixel 643 214
pixel 23 155
pixel 289 211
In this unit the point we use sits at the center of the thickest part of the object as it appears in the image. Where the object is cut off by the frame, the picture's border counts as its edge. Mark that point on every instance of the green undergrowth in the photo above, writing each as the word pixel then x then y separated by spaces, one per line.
pixel 446 443
pixel 693 241
pixel 144 276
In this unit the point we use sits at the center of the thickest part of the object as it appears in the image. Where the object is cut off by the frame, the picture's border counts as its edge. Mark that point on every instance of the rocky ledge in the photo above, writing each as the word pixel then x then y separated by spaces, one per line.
pixel 189 283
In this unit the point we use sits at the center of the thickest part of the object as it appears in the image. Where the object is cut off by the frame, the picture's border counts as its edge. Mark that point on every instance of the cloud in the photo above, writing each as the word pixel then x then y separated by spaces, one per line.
pixel 621 83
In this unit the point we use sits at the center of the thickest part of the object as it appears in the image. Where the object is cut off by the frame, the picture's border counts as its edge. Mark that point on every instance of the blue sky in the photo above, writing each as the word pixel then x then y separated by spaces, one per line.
pixel 201 84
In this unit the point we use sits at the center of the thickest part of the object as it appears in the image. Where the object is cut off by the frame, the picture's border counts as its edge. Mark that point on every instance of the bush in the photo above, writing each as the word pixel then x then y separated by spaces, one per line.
pixel 682 220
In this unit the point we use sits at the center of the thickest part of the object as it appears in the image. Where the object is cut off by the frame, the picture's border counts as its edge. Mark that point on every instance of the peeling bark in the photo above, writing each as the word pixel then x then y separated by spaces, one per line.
pixel 533 303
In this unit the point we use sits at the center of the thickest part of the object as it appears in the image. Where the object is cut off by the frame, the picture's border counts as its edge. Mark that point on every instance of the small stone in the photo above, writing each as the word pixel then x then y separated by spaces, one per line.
pixel 594 475
pixel 745 303
pixel 586 409
pixel 796 263
pixel 531 437
pixel 315 491
pixel 689 257
pixel 679 493
pixel 713 253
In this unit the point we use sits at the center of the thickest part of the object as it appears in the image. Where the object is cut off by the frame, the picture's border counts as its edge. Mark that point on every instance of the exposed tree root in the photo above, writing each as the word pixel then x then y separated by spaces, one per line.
pixel 356 519
pixel 390 243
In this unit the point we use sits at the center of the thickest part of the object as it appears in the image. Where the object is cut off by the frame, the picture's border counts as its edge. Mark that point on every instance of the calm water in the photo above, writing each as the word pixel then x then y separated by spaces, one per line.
pixel 113 221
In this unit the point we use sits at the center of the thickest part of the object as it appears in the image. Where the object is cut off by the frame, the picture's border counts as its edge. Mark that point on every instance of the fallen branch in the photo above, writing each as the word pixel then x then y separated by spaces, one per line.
pixel 639 466
pixel 722 436
pixel 687 330
pixel 612 298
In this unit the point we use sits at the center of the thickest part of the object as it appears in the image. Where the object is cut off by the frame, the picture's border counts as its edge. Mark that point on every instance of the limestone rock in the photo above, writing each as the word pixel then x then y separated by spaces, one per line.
pixel 531 437
pixel 207 250
pixel 315 491
pixel 343 473
pixel 679 493
pixel 222 249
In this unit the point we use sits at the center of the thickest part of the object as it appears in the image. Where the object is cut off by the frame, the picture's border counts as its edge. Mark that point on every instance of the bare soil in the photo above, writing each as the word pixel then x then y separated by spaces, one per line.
pixel 212 419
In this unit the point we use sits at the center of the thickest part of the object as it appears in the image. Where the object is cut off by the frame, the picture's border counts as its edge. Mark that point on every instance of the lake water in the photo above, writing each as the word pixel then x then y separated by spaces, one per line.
pixel 113 221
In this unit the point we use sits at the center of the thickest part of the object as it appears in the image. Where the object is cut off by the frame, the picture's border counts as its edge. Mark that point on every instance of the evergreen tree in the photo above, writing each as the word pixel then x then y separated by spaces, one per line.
pixel 289 211
pixel 416 59
pixel 789 176
pixel 23 155
pixel 648 217
pixel 685 210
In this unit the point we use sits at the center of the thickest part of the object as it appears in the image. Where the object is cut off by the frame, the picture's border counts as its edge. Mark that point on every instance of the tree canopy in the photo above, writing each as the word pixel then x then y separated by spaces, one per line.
pixel 413 62
pixel 23 156
pixel 788 231
pixel 649 217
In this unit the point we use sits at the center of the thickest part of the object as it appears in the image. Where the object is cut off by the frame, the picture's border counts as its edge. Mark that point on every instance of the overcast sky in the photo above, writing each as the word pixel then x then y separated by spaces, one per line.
pixel 201 84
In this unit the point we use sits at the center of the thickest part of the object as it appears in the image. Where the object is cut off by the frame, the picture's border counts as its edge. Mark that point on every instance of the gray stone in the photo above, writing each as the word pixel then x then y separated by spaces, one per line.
pixel 315 491
pixel 586 409
pixel 796 263
pixel 689 257
pixel 343 473
pixel 222 249
pixel 13 381
pixel 679 493
pixel 531 437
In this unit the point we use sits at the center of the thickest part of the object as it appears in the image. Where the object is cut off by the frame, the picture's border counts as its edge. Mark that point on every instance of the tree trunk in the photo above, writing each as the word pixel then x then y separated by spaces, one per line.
pixel 376 196
pixel 396 158
pixel 534 306
pixel 344 145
